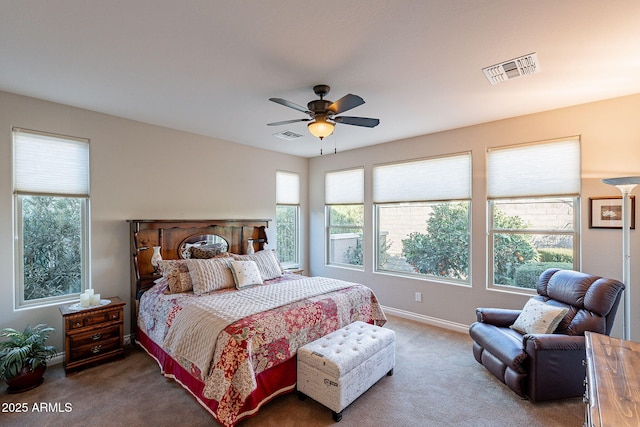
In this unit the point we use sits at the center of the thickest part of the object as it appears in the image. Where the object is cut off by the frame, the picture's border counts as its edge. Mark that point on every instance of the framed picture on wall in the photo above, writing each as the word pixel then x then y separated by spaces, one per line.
pixel 606 212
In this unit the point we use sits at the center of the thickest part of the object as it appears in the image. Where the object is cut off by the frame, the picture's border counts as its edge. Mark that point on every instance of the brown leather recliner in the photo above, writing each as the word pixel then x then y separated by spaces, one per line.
pixel 547 366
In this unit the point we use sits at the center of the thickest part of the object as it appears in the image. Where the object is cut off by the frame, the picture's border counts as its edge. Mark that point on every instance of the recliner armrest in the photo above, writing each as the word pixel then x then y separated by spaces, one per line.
pixel 555 366
pixel 497 316
pixel 535 342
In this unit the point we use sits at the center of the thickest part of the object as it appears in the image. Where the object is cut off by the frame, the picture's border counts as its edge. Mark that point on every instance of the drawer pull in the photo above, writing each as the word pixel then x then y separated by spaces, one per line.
pixel 77 324
pixel 96 336
pixel 114 316
pixel 96 349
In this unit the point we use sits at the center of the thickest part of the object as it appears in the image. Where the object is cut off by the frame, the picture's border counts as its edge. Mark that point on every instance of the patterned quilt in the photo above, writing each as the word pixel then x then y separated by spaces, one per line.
pixel 262 339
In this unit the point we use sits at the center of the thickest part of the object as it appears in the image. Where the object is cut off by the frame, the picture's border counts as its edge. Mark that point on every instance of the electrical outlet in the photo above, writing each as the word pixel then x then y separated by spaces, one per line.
pixel 418 296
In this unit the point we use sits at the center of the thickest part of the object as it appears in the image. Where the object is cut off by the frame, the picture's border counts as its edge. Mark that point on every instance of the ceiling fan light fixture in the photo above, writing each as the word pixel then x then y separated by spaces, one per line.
pixel 324 114
pixel 320 128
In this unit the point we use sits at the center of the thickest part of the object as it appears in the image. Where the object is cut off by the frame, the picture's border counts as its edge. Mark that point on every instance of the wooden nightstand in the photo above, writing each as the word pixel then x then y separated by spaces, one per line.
pixel 93 335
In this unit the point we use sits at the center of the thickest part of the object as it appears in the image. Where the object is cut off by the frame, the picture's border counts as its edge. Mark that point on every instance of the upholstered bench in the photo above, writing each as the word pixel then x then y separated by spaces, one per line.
pixel 337 368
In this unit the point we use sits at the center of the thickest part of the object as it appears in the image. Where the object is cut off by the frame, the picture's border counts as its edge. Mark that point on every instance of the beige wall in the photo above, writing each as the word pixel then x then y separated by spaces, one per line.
pixel 610 136
pixel 205 178
pixel 137 171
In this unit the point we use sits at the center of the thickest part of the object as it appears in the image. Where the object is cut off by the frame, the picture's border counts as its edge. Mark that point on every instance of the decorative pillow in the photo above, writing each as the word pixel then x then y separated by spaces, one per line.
pixel 267 262
pixel 539 318
pixel 208 275
pixel 177 273
pixel 166 266
pixel 246 273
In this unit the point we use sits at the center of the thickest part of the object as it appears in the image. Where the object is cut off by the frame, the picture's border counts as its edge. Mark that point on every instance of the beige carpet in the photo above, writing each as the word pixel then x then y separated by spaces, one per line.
pixel 436 382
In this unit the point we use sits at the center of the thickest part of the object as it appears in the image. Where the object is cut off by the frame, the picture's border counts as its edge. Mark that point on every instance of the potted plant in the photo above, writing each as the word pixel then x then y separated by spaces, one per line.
pixel 24 355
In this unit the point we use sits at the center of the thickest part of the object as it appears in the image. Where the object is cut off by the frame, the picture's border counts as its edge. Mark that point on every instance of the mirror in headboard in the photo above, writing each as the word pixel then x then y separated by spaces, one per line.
pixel 203 246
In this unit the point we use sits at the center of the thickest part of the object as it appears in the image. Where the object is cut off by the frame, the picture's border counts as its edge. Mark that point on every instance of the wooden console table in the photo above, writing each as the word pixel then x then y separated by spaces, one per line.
pixel 612 395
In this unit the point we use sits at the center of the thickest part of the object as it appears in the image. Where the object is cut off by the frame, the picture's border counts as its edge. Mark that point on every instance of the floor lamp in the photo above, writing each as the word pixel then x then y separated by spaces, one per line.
pixel 626 185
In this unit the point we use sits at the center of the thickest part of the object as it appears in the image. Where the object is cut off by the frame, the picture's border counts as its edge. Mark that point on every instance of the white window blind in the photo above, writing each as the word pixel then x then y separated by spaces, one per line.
pixel 45 164
pixel 287 188
pixel 441 178
pixel 344 187
pixel 544 169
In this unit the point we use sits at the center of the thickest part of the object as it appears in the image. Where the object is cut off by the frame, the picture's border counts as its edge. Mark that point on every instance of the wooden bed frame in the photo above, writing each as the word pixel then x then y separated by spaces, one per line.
pixel 171 234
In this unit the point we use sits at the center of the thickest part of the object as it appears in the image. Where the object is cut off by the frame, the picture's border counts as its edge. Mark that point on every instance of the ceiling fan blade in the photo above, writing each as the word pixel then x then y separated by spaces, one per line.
pixel 290 105
pixel 345 103
pixel 285 122
pixel 357 121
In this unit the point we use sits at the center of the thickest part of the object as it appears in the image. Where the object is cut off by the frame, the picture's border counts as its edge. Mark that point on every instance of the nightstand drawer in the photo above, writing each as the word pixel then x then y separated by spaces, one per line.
pixel 94 349
pixel 95 336
pixel 89 319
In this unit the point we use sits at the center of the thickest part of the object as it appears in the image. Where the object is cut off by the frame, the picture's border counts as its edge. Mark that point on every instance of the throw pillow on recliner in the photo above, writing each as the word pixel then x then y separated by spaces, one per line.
pixel 539 318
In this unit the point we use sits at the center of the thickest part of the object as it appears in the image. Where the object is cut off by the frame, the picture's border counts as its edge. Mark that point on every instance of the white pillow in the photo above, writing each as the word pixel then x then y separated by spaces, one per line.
pixel 267 262
pixel 539 318
pixel 245 273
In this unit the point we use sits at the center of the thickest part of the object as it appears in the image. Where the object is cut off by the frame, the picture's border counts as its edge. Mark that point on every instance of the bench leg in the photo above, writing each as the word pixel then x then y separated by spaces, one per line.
pixel 337 416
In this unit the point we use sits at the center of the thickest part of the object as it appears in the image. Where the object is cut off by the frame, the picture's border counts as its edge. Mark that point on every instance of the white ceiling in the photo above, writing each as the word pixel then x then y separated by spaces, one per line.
pixel 209 67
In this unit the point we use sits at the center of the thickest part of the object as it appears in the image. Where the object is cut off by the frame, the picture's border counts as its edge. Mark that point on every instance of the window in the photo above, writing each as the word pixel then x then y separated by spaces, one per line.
pixel 287 218
pixel 51 199
pixel 533 209
pixel 344 210
pixel 422 217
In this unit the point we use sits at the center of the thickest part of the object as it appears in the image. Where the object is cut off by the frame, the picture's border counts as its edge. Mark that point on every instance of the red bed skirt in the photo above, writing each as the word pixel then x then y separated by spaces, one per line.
pixel 272 382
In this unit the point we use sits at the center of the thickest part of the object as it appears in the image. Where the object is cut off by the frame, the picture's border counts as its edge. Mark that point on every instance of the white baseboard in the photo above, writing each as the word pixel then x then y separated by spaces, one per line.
pixel 458 327
pixel 57 359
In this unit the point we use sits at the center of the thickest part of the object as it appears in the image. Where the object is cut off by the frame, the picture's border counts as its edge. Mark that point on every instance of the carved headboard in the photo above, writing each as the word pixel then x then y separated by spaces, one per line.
pixel 172 235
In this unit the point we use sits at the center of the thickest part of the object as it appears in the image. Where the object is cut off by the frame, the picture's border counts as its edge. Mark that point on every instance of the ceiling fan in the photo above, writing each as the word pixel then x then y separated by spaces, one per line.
pixel 323 114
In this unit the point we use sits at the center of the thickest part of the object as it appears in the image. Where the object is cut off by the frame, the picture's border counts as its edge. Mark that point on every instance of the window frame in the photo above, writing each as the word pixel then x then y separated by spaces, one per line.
pixel 339 192
pixel 418 275
pixel 18 225
pixel 329 246
pixel 465 156
pixel 295 263
pixel 575 234
pixel 507 187
pixel 288 194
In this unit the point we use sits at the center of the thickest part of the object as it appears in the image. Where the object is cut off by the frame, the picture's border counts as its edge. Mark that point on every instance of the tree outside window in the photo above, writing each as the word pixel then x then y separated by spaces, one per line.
pixel 287 218
pixel 52 246
pixel 287 234
pixel 530 235
pixel 443 250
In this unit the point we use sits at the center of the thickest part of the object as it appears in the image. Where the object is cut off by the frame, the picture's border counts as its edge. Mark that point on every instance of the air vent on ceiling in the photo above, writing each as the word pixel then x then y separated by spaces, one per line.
pixel 522 66
pixel 288 135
